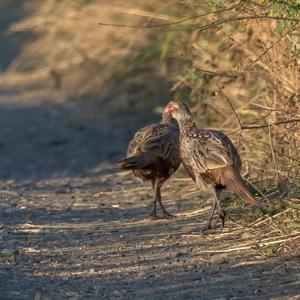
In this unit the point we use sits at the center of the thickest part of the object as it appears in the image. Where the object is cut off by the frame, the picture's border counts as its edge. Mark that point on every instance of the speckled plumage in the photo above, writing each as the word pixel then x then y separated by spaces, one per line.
pixel 153 154
pixel 205 150
pixel 209 157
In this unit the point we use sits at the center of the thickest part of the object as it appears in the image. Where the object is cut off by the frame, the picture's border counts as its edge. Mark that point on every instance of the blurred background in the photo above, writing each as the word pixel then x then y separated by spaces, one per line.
pixel 73 91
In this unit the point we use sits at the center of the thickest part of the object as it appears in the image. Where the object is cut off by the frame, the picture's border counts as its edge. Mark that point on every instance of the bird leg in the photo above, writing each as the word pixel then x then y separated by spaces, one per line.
pixel 221 212
pixel 214 205
pixel 157 198
pixel 153 211
pixel 165 213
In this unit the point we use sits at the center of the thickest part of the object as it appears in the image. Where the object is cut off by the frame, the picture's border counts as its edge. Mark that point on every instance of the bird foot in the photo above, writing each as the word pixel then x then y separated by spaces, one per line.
pixel 166 215
pixel 159 217
pixel 163 217
pixel 221 216
pixel 155 217
pixel 153 213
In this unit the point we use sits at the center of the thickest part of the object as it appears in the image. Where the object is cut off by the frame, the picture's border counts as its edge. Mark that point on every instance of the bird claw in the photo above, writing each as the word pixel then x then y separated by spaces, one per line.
pixel 168 216
pixel 155 217
pixel 221 216
pixel 209 226
pixel 158 217
pixel 165 215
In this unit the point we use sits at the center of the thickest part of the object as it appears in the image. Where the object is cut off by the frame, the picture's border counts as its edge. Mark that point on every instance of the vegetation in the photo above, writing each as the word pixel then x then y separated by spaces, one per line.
pixel 236 62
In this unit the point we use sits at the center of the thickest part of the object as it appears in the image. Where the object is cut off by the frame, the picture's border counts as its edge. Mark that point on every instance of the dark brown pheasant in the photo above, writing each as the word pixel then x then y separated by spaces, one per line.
pixel 209 157
pixel 153 155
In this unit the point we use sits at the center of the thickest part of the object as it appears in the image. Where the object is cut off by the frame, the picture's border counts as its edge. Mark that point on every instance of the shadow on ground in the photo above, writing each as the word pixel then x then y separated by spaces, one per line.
pixel 90 238
pixel 136 259
pixel 45 136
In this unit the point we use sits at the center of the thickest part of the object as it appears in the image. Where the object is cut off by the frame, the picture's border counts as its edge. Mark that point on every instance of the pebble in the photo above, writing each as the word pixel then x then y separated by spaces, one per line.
pixel 17 209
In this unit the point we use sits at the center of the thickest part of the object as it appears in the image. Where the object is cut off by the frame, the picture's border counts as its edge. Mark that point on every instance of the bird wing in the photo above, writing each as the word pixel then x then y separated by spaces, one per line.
pixel 230 148
pixel 207 151
pixel 157 139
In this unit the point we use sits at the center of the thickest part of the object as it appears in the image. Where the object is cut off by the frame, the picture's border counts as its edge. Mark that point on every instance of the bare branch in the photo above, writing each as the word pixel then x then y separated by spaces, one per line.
pixel 233 19
pixel 175 22
pixel 201 27
pixel 257 59
pixel 219 73
pixel 267 49
pixel 296 120
pixel 232 108
pixel 273 153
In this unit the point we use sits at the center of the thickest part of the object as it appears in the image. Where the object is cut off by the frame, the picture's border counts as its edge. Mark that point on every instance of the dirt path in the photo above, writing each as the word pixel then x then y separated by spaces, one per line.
pixel 72 228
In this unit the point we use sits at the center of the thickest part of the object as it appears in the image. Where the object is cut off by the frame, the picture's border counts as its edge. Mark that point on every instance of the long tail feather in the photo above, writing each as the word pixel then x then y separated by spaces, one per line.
pixel 237 186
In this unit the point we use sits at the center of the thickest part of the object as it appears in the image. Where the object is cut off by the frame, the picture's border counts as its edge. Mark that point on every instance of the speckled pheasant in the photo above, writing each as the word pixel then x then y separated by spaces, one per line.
pixel 153 155
pixel 209 157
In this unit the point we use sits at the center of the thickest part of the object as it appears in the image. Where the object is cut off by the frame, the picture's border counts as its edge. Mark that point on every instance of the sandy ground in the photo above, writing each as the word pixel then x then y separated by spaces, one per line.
pixel 72 227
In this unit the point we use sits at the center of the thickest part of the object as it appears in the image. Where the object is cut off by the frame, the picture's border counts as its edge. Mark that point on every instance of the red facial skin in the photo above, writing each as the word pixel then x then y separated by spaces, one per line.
pixel 170 108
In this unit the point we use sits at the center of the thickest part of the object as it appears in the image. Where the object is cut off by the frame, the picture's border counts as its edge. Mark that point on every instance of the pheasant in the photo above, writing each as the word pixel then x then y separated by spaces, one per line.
pixel 153 155
pixel 209 157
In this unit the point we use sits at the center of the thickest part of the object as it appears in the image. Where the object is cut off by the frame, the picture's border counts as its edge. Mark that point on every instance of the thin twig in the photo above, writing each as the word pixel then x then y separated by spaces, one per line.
pixel 232 108
pixel 195 212
pixel 190 194
pixel 220 73
pixel 270 218
pixel 257 106
pixel 296 120
pixel 197 27
pixel 267 50
pixel 229 20
pixel 253 56
pixel 249 246
pixel 255 187
pixel 175 22
pixel 273 153
pixel 181 179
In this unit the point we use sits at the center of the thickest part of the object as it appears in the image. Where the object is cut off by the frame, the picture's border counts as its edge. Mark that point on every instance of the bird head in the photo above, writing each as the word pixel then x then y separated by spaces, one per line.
pixel 178 110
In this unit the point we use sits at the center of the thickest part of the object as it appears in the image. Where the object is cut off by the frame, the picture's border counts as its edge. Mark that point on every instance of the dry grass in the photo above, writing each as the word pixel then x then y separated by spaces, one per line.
pixel 70 51
pixel 238 72
pixel 234 72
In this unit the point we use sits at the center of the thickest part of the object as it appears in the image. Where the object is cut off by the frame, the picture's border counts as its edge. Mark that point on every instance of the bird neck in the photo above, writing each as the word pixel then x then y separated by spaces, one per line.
pixel 168 120
pixel 186 125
